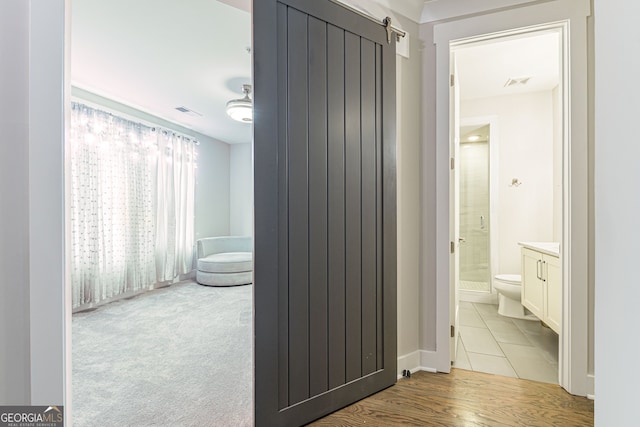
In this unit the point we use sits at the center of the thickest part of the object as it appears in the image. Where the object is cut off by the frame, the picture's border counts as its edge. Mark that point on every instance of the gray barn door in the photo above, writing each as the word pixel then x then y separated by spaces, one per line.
pixel 325 209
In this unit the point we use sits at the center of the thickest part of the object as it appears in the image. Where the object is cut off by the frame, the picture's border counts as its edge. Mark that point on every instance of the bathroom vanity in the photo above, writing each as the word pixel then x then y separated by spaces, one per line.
pixel 542 281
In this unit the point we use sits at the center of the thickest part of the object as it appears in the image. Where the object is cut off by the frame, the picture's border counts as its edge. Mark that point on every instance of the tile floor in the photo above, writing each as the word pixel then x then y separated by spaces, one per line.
pixel 500 345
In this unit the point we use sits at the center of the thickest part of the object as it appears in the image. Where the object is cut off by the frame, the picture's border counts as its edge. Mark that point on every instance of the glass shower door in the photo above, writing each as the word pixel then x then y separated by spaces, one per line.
pixel 474 213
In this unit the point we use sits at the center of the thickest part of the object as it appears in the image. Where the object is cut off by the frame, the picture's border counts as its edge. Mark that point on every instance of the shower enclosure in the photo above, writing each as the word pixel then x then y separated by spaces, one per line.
pixel 475 274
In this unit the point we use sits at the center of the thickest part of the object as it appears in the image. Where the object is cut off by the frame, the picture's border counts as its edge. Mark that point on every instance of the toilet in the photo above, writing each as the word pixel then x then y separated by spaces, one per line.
pixel 509 288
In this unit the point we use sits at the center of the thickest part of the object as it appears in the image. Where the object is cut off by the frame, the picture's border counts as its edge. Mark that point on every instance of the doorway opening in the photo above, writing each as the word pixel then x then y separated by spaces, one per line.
pixel 155 99
pixel 508 191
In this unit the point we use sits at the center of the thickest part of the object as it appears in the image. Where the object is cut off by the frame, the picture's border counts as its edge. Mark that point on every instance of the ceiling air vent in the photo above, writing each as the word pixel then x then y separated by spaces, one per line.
pixel 517 81
pixel 188 112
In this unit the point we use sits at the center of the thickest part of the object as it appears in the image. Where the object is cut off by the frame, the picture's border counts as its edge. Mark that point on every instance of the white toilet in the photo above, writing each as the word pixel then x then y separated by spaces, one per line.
pixel 509 288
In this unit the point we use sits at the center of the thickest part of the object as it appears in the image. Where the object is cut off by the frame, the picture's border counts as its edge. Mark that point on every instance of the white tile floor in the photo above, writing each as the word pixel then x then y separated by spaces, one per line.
pixel 500 345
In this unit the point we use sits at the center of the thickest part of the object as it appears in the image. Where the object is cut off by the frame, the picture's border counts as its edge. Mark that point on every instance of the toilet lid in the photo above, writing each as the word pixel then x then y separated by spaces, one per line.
pixel 509 278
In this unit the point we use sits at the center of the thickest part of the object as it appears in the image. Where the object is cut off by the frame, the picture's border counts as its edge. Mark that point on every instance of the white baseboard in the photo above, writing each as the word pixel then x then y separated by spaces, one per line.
pixel 419 360
pixel 591 388
pixel 409 361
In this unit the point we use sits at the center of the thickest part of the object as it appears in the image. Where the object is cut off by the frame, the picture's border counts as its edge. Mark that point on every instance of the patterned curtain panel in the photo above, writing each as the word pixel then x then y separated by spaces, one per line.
pixel 132 205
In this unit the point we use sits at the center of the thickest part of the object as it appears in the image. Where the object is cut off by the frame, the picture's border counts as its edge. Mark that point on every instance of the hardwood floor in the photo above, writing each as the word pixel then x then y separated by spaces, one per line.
pixel 466 398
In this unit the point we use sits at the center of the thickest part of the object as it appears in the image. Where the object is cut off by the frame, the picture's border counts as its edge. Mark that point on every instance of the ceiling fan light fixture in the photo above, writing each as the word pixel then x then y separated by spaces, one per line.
pixel 241 109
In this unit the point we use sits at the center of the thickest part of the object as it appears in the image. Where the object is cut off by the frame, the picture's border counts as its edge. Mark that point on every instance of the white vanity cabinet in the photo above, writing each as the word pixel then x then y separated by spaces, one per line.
pixel 542 283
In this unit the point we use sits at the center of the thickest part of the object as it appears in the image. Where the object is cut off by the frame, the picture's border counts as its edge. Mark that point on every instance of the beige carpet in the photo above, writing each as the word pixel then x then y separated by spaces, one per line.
pixel 178 356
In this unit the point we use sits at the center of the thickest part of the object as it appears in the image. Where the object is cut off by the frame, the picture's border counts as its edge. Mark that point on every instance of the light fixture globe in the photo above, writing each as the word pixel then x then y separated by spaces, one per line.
pixel 241 109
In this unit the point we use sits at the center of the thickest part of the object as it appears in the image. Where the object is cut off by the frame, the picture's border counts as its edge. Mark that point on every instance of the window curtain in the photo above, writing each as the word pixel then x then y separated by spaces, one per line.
pixel 131 205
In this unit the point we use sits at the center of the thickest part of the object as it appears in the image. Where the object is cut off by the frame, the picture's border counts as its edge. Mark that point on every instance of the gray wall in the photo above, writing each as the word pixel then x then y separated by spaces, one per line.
pixel 617 207
pixel 47 100
pixel 31 190
pixel 408 76
pixel 428 294
pixel 212 189
pixel 14 199
pixel 241 190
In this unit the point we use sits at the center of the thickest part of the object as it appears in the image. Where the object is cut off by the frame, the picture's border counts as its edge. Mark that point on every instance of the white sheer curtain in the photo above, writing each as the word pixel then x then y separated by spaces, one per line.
pixel 132 205
pixel 175 205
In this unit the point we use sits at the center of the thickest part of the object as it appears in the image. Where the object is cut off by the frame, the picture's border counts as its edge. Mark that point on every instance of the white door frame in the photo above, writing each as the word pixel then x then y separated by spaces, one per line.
pixel 573 358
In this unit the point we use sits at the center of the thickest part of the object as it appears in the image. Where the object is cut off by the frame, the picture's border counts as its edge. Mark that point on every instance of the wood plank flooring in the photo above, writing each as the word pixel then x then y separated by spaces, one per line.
pixel 466 398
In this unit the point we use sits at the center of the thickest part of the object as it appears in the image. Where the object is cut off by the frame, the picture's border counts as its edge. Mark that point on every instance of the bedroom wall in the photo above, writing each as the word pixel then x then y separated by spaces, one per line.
pixel 212 189
pixel 241 190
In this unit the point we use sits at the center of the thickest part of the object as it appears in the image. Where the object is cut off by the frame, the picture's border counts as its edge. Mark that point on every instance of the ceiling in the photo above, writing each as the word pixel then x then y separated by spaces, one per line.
pixel 484 68
pixel 156 55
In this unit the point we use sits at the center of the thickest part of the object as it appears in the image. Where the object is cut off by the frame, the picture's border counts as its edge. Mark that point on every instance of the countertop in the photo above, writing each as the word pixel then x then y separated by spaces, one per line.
pixel 549 248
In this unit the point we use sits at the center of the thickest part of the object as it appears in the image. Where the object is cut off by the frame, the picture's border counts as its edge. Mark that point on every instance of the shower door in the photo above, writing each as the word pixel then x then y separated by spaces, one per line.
pixel 474 210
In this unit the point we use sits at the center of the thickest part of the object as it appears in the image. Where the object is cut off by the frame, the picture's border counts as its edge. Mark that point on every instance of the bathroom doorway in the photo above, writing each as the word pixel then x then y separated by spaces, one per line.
pixel 516 176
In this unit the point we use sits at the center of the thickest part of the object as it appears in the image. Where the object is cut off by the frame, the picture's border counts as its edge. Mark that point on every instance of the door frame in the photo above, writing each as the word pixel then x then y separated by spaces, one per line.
pixel 560 29
pixel 574 376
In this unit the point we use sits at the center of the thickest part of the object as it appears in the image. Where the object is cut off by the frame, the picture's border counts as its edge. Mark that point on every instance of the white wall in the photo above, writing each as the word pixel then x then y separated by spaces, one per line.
pixel 617 210
pixel 241 190
pixel 525 152
pixel 14 203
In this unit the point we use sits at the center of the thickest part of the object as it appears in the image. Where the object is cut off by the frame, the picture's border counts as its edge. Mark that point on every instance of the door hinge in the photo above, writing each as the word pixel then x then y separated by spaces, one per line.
pixel 453 331
pixel 453 247
pixel 453 163
pixel 452 81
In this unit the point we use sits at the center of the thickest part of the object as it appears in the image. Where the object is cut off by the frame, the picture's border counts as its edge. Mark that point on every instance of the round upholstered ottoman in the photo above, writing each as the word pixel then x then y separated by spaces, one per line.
pixel 225 269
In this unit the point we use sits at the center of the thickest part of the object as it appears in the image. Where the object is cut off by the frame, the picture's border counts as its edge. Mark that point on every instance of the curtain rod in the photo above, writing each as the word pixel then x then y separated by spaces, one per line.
pixel 112 111
pixel 386 22
pixel 99 102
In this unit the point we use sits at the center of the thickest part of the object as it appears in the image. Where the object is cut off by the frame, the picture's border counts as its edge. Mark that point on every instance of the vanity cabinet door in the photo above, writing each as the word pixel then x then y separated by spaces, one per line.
pixel 533 290
pixel 553 306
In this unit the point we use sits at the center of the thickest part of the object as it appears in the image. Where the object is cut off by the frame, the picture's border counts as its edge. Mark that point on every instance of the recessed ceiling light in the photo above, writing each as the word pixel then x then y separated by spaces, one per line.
pixel 473 138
